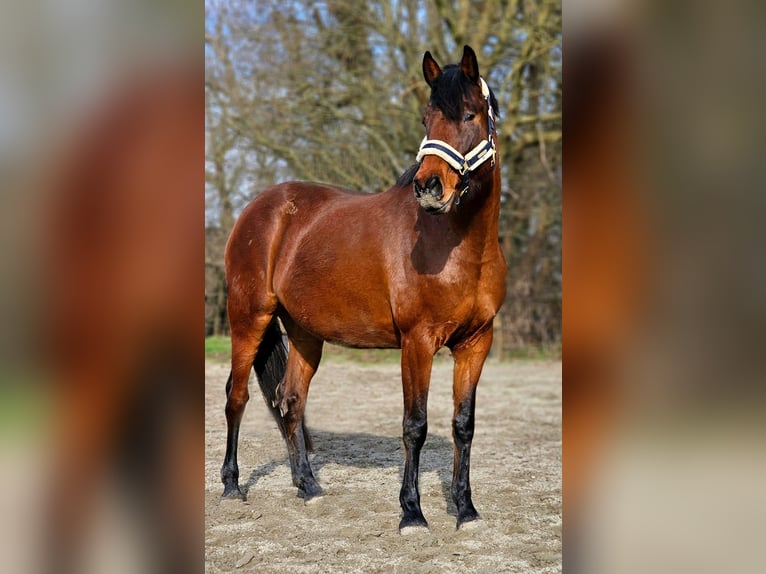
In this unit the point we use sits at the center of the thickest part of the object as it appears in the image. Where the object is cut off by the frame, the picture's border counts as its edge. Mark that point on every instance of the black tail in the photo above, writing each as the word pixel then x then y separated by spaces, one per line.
pixel 270 364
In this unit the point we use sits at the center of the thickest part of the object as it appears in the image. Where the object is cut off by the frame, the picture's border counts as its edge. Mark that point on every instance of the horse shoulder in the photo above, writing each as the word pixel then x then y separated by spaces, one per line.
pixel 493 279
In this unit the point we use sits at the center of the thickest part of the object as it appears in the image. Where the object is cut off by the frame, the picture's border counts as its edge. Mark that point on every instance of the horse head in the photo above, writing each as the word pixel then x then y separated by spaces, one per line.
pixel 460 139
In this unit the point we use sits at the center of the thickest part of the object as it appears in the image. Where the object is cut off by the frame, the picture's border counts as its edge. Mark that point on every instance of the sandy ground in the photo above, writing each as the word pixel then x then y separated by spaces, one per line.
pixel 354 415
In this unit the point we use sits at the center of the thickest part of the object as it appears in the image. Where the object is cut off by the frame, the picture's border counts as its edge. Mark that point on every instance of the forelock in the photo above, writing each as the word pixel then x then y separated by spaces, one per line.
pixel 449 90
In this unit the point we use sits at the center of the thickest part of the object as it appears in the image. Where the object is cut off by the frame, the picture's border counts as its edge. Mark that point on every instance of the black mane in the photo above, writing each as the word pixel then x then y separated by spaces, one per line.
pixel 406 178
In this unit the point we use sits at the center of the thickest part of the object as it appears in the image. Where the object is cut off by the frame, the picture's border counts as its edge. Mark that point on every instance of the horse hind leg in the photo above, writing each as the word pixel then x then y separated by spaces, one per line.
pixel 302 363
pixel 245 344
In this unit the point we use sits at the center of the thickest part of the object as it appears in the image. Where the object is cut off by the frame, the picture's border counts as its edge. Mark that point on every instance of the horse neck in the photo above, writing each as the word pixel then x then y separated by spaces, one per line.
pixel 478 221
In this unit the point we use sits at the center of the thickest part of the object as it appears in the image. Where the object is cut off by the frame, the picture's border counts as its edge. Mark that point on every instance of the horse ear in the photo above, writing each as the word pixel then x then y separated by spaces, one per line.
pixel 431 69
pixel 469 65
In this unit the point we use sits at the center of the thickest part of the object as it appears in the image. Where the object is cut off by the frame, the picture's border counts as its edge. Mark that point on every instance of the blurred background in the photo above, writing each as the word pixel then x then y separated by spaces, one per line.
pixel 102 290
pixel 102 163
pixel 663 427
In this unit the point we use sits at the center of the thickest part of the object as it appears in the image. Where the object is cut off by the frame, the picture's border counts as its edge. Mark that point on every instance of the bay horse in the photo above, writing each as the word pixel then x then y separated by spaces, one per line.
pixel 417 267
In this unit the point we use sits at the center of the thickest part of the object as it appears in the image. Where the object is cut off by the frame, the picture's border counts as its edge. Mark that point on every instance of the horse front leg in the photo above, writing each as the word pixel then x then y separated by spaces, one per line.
pixel 469 360
pixel 417 359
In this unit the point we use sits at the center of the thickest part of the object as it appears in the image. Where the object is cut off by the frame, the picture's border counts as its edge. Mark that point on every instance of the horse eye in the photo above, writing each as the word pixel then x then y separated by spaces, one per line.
pixel 468 117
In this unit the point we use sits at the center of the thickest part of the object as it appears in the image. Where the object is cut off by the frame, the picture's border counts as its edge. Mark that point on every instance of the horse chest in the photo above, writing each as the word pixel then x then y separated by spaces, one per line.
pixel 458 299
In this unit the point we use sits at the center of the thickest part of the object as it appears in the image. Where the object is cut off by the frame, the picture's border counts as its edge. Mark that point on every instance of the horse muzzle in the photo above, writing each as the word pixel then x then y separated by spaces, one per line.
pixel 429 195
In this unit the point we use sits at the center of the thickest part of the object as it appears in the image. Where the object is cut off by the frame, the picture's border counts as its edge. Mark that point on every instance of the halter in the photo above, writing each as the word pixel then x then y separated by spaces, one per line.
pixel 469 163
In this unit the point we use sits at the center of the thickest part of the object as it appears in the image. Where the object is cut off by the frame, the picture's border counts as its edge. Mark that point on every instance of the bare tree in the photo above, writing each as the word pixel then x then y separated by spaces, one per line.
pixel 332 91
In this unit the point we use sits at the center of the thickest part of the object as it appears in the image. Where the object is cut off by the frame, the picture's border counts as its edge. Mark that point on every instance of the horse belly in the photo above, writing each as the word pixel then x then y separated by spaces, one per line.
pixel 341 308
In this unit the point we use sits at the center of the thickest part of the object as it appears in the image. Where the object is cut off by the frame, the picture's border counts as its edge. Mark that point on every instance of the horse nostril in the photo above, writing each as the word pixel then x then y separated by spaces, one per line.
pixel 434 187
pixel 418 187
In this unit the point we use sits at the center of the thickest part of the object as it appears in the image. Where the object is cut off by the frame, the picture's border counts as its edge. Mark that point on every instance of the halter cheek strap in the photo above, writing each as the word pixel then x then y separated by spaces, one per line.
pixel 464 164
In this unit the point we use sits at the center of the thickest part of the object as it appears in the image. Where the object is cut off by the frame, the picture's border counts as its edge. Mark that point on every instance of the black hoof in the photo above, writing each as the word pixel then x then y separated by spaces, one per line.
pixel 466 518
pixel 232 492
pixel 310 490
pixel 413 524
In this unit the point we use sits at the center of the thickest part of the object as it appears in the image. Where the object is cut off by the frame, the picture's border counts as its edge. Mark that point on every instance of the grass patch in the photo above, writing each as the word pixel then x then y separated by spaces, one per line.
pixel 536 353
pixel 218 348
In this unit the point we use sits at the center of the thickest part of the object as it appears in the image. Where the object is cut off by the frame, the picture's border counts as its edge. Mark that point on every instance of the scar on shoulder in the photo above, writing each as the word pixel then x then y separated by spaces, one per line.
pixel 290 207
